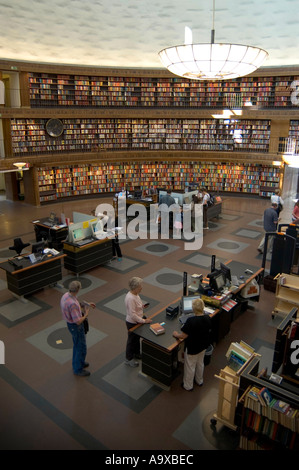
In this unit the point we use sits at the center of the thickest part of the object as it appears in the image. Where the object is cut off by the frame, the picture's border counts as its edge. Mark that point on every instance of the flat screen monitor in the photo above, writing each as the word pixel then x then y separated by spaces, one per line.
pixel 217 280
pixel 226 271
pixel 220 281
pixel 52 217
pixel 138 194
pixel 187 303
pixel 38 247
pixel 96 227
pixel 78 234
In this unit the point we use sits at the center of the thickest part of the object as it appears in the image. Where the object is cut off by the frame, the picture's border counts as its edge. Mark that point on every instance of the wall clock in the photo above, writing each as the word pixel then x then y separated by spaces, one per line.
pixel 54 127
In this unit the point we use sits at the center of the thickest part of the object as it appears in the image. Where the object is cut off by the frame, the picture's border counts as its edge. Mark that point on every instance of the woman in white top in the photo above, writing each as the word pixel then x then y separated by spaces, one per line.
pixel 276 199
pixel 134 309
pixel 205 200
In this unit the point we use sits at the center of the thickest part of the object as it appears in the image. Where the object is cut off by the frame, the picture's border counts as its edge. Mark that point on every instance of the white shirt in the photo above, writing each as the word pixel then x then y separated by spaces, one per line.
pixel 276 199
pixel 134 308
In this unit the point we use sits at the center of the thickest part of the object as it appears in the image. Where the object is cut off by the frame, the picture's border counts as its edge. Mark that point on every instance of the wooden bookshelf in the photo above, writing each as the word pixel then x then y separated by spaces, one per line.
pixel 49 89
pixel 111 115
pixel 29 136
pixel 264 427
pixel 88 179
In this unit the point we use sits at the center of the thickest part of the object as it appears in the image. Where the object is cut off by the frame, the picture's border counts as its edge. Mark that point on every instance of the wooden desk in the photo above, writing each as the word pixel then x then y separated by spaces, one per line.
pixel 54 234
pixel 30 277
pixel 80 259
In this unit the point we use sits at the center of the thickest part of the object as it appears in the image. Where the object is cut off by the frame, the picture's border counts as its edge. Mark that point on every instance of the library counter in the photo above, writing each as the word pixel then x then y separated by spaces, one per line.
pixel 159 352
pixel 24 277
pixel 82 258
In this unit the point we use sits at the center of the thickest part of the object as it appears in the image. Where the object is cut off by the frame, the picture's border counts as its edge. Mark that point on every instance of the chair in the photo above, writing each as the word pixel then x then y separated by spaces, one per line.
pixel 18 245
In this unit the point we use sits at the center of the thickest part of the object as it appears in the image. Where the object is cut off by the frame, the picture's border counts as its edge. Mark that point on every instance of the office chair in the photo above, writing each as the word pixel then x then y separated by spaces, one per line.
pixel 18 246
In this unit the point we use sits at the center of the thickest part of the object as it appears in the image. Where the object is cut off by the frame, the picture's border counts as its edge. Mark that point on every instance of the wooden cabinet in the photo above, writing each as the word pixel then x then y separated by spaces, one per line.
pixel 287 294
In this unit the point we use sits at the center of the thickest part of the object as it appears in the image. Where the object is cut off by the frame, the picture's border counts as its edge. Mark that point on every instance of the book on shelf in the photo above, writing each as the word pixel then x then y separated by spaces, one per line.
pixel 157 328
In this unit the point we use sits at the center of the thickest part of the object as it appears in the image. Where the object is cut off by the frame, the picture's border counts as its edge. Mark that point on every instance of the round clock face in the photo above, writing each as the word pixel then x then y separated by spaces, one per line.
pixel 54 127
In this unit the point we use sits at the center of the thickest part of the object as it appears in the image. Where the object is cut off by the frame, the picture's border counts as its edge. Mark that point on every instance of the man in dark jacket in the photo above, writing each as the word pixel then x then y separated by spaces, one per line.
pixel 270 225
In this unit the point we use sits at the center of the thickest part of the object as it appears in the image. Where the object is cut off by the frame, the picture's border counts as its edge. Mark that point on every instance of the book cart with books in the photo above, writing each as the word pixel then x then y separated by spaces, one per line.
pixel 238 355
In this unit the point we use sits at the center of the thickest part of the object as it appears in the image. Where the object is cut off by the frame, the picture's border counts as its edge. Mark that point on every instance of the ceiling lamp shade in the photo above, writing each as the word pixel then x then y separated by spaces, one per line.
pixel 211 61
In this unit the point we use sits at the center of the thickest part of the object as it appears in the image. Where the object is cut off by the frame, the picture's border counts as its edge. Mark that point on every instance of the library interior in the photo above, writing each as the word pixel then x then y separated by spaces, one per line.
pixel 112 169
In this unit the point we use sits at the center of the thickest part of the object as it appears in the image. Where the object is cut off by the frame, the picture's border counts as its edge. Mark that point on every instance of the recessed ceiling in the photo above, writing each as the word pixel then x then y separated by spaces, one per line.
pixel 130 33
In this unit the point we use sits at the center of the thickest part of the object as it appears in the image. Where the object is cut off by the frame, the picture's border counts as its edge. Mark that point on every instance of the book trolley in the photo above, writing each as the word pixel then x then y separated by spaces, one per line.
pixel 238 355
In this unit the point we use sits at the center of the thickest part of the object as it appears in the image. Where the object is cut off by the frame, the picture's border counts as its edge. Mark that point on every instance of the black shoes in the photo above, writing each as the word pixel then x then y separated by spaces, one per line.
pixel 82 373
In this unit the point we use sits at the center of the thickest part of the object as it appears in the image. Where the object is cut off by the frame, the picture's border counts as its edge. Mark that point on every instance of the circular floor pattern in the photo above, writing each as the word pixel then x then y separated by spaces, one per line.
pixel 60 339
pixel 228 245
pixel 157 248
pixel 83 280
pixel 169 279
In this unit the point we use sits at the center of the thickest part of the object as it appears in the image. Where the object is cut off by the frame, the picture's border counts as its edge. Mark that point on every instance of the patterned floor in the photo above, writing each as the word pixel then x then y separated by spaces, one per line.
pixel 44 406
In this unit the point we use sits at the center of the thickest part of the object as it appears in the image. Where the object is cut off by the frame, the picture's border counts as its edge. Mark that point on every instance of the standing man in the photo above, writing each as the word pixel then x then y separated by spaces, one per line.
pixel 74 317
pixel 270 225
pixel 165 202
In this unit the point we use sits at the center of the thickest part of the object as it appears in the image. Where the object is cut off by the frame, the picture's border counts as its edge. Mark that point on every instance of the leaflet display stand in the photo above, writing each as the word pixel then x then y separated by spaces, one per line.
pixel 229 382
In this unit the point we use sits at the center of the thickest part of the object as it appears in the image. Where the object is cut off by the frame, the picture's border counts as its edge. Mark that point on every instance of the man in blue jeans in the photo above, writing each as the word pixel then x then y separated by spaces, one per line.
pixel 74 317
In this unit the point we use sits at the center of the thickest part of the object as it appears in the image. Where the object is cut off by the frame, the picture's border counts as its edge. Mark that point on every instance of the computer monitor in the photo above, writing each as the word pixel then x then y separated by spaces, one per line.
pixel 53 217
pixel 186 304
pixel 226 271
pixel 220 282
pixel 217 280
pixel 38 248
pixel 78 234
pixel 138 194
pixel 96 227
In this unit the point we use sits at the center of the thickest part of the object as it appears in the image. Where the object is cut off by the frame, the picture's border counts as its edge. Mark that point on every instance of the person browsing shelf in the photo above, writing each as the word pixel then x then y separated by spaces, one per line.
pixel 196 333
pixel 74 314
pixel 134 315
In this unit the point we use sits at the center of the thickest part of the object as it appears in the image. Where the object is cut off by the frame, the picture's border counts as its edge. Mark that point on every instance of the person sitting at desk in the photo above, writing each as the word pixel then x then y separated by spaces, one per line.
pixel 196 333
pixel 134 309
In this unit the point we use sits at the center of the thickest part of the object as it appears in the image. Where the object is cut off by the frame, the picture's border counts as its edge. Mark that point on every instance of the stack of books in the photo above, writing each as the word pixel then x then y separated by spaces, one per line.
pixel 237 354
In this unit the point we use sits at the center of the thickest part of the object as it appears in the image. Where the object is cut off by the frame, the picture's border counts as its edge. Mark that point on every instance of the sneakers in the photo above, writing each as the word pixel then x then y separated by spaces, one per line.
pixel 131 363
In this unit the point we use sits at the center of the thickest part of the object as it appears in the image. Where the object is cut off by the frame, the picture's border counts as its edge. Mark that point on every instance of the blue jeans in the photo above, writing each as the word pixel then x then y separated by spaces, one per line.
pixel 79 346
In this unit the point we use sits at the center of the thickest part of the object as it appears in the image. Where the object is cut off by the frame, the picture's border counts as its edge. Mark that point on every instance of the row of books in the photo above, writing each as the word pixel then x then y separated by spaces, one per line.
pixel 238 354
pixel 261 401
pixel 285 440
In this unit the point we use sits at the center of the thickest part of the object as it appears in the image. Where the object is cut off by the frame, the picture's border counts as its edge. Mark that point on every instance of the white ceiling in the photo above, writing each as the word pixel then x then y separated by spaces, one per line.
pixel 130 33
